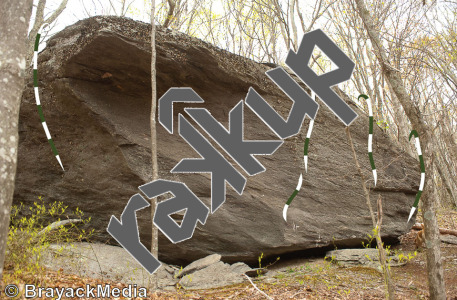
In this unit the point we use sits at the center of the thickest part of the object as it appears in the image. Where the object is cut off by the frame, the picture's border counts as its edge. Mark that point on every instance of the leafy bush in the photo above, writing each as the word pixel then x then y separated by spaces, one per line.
pixel 31 234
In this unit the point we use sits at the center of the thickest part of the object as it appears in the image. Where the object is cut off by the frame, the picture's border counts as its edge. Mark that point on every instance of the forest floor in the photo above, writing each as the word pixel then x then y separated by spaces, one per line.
pixel 307 278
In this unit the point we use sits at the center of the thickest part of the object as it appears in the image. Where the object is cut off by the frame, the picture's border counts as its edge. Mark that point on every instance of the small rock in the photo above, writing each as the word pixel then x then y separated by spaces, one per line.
pixel 213 276
pixel 200 264
pixel 162 283
pixel 169 269
pixel 358 257
pixel 256 272
pixel 449 239
pixel 239 268
pixel 169 288
pixel 269 280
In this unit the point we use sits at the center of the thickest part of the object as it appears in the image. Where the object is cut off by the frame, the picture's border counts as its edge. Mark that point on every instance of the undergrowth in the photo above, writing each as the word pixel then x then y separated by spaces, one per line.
pixel 31 234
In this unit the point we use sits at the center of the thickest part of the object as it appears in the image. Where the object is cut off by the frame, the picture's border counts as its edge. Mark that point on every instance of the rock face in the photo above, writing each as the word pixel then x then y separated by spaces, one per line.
pixel 94 80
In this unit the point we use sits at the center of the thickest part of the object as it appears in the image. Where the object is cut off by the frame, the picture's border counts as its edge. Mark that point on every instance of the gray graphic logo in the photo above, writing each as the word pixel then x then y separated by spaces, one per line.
pixel 232 142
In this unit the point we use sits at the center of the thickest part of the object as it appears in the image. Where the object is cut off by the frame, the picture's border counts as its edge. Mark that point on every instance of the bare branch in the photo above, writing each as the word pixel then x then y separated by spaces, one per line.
pixel 262 292
pixel 172 5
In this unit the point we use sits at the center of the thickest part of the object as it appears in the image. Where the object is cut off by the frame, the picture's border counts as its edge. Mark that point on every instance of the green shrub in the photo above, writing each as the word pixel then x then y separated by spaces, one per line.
pixel 31 234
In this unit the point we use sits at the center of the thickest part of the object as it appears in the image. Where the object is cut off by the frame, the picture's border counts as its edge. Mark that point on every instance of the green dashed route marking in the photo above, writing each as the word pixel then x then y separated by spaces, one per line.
pixel 305 150
pixel 370 137
pixel 37 95
pixel 422 166
pixel 297 189
pixel 305 160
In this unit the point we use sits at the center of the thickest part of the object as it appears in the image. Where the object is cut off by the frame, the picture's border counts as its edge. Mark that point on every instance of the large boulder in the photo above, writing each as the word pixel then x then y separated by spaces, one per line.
pixel 94 79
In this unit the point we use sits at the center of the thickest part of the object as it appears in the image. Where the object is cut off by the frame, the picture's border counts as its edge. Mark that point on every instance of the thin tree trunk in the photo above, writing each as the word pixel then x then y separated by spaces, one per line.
pixel 390 294
pixel 432 239
pixel 294 26
pixel 390 287
pixel 155 166
pixel 172 5
pixel 446 182
pixel 277 11
pixel 14 21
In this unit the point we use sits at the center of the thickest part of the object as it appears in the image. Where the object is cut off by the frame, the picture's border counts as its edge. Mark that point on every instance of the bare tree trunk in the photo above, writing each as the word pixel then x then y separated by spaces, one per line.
pixel 390 287
pixel 434 264
pixel 390 293
pixel 279 14
pixel 445 180
pixel 14 21
pixel 294 26
pixel 155 166
pixel 401 122
pixel 171 8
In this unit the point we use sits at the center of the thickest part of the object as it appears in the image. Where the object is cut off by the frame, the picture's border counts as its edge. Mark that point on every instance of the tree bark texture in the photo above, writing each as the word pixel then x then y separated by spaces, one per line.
pixel 155 166
pixel 14 21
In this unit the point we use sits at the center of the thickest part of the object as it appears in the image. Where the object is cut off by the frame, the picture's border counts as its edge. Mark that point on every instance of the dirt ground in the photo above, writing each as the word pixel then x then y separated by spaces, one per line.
pixel 310 278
